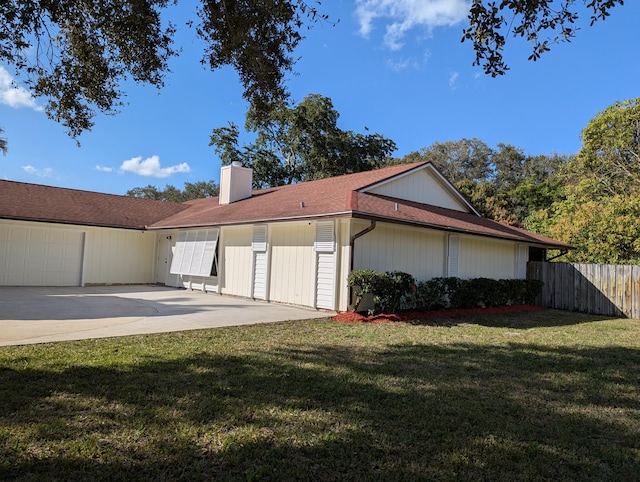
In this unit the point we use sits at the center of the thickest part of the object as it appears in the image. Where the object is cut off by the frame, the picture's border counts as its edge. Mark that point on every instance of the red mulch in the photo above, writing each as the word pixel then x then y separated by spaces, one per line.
pixel 350 317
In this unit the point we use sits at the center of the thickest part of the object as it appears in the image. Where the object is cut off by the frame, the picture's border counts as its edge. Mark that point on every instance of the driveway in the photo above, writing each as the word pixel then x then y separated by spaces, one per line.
pixel 38 315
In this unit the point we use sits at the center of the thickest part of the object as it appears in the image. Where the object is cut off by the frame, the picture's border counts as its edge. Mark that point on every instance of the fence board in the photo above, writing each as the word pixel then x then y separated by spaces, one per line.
pixel 612 290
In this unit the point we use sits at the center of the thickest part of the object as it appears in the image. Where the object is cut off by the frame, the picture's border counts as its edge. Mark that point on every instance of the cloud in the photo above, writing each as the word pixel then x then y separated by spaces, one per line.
pixel 453 77
pixel 151 167
pixel 15 96
pixel 403 15
pixel 46 172
pixel 104 168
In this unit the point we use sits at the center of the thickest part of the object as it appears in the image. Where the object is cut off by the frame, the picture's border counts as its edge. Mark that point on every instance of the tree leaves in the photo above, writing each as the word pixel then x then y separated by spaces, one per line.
pixel 301 143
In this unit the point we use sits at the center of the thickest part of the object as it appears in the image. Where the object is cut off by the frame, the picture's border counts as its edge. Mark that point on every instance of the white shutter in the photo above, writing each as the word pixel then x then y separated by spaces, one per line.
pixel 324 242
pixel 195 252
pixel 260 275
pixel 325 281
pixel 259 242
pixel 453 256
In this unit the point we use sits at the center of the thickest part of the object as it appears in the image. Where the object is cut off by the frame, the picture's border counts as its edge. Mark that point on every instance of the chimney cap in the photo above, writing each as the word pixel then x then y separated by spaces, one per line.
pixel 236 163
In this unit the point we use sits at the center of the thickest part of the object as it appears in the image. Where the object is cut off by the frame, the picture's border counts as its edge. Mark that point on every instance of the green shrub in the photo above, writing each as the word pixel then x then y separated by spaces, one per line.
pixel 396 290
pixel 388 289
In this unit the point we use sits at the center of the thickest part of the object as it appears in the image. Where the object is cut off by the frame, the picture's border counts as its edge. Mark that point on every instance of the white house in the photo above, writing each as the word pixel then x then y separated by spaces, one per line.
pixel 291 244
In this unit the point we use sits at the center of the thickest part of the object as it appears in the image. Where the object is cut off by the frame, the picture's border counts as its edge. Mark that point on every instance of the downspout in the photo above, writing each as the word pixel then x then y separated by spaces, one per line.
pixel 352 243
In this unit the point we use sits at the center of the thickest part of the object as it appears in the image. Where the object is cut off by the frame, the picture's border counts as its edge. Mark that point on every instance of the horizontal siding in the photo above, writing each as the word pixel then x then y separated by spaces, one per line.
pixel 486 258
pixel 419 252
pixel 420 187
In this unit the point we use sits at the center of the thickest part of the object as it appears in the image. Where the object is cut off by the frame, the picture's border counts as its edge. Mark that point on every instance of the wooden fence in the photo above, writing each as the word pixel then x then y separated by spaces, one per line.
pixel 599 289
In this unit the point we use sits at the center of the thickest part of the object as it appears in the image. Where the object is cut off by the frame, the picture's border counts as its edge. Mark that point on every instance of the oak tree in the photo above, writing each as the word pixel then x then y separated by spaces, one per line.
pixel 301 143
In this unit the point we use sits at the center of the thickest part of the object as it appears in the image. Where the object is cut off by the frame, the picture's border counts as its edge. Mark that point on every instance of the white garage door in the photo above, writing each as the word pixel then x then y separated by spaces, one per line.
pixel 40 257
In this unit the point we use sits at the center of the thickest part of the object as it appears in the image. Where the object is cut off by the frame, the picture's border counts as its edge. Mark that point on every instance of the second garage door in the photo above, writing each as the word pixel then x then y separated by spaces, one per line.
pixel 32 256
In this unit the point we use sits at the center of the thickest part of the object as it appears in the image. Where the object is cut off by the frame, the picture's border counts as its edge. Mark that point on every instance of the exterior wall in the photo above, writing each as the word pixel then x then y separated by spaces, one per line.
pixel 419 252
pixel 422 187
pixel 235 256
pixel 292 263
pixel 486 258
pixel 115 256
pixel 343 259
pixel 108 255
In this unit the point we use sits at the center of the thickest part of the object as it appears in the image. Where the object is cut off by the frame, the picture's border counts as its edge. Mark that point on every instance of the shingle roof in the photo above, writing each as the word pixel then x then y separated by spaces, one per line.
pixel 35 202
pixel 338 196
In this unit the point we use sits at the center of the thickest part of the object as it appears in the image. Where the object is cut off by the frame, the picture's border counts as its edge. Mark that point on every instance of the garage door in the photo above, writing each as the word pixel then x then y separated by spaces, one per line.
pixel 40 257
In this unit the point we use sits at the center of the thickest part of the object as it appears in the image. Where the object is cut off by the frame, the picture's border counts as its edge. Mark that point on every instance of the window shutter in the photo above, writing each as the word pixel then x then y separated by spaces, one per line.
pixel 259 242
pixel 324 242
pixel 453 258
pixel 195 252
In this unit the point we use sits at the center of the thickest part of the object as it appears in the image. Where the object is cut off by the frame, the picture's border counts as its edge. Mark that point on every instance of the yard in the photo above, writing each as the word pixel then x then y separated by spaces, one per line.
pixel 533 396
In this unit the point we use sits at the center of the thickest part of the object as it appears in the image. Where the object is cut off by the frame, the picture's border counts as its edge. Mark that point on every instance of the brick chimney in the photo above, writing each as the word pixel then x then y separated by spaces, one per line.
pixel 235 183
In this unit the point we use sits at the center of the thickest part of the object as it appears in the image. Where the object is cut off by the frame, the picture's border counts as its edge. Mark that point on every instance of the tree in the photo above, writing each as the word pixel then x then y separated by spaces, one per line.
pixel 609 160
pixel 467 159
pixel 503 184
pixel 599 210
pixel 301 143
pixel 200 189
pixel 77 53
pixel 490 24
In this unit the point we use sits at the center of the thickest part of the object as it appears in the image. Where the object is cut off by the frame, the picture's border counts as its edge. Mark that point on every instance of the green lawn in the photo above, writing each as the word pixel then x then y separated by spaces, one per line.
pixel 538 396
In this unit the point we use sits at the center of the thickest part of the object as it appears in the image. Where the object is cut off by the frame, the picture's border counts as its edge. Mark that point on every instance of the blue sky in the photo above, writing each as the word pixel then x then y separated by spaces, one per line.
pixel 396 67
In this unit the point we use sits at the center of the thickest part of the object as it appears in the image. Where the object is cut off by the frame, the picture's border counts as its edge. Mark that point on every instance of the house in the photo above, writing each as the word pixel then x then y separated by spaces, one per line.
pixel 292 244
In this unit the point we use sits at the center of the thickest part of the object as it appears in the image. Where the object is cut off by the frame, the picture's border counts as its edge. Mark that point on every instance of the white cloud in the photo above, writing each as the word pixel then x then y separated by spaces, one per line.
pixel 104 168
pixel 15 96
pixel 151 167
pixel 453 77
pixel 403 15
pixel 46 172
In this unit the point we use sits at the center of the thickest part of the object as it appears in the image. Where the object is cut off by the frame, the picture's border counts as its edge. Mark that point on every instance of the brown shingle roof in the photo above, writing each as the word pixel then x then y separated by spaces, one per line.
pixel 34 202
pixel 338 196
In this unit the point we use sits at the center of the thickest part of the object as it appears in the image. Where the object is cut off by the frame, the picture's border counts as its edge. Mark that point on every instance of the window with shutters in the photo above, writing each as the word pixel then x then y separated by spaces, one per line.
pixel 324 242
pixel 195 253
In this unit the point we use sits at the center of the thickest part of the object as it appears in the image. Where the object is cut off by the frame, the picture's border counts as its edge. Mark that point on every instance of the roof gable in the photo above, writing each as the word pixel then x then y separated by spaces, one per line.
pixel 425 185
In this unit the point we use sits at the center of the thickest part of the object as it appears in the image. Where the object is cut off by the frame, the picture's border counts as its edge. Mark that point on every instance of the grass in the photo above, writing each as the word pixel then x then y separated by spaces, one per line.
pixel 536 396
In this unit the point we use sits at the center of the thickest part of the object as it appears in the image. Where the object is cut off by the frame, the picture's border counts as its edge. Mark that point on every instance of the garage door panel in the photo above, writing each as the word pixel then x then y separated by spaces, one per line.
pixel 33 256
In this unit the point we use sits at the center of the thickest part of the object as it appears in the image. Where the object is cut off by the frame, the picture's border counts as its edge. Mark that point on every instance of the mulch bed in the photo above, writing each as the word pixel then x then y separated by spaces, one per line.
pixel 351 317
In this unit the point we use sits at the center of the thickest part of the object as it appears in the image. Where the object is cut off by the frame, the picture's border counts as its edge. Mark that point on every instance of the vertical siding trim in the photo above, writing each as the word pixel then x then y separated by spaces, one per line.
pixel 453 255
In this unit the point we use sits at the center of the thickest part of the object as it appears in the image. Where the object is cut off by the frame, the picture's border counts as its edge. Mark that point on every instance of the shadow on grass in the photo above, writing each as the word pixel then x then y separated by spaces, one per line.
pixel 406 412
pixel 518 321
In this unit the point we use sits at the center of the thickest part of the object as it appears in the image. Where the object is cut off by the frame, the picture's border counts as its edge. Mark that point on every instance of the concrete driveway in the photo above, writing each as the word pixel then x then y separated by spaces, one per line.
pixel 38 315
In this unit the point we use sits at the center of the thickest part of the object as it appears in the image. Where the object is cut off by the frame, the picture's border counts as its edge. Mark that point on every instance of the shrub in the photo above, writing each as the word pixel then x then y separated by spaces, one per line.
pixel 396 290
pixel 388 289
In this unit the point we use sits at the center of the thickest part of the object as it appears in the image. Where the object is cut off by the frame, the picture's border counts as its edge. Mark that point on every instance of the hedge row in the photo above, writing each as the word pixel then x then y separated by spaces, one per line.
pixel 395 290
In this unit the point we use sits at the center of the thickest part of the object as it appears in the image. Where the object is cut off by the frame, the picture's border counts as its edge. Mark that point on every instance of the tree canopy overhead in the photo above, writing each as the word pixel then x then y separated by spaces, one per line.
pixel 77 53
pixel 541 22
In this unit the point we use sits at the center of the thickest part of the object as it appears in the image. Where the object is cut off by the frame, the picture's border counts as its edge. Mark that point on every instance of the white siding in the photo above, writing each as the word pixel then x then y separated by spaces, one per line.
pixel 292 274
pixel 259 246
pixel 116 256
pixel 423 187
pixel 107 255
pixel 486 258
pixel 343 262
pixel 235 254
pixel 35 256
pixel 420 252
pixel 453 255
